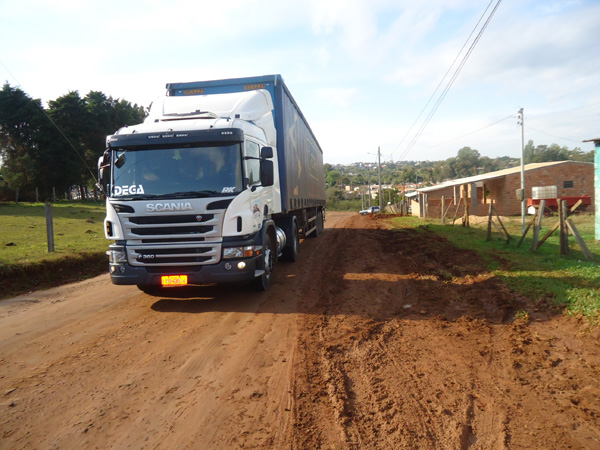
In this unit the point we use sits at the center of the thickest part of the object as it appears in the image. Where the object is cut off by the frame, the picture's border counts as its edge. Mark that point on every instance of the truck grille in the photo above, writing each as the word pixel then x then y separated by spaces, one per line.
pixel 173 239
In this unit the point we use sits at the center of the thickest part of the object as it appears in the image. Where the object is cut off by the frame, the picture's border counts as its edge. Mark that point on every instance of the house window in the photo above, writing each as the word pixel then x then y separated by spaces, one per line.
pixel 567 184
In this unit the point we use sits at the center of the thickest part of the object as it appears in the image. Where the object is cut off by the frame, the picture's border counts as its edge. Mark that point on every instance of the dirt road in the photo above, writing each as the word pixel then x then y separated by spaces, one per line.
pixel 375 339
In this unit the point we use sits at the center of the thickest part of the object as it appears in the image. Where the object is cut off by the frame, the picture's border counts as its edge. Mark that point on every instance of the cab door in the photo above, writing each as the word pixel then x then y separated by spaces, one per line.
pixel 261 198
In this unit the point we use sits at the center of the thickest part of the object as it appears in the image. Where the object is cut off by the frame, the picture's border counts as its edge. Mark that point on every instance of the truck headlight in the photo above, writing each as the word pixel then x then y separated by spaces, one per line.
pixel 238 252
pixel 117 256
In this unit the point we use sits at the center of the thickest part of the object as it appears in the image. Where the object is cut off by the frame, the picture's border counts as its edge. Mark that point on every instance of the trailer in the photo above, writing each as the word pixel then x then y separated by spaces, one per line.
pixel 221 180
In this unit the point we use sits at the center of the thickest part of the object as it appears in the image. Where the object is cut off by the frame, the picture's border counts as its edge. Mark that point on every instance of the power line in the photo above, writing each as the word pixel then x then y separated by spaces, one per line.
pixel 56 126
pixel 453 78
pixel 451 82
pixel 443 78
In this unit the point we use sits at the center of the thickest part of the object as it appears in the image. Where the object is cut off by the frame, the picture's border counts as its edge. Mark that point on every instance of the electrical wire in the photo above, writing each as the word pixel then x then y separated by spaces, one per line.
pixel 452 79
pixel 451 82
pixel 443 78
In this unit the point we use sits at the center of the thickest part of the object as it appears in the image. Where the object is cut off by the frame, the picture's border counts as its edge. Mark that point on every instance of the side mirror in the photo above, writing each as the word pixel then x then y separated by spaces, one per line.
pixel 266 152
pixel 104 172
pixel 267 174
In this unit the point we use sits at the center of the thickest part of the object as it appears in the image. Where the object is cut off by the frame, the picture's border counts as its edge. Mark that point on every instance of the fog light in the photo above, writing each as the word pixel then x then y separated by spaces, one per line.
pixel 122 269
pixel 227 266
pixel 241 265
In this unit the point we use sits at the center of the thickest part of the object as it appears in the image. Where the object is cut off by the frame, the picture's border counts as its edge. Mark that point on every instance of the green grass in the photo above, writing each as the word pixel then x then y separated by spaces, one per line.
pixel 566 280
pixel 78 229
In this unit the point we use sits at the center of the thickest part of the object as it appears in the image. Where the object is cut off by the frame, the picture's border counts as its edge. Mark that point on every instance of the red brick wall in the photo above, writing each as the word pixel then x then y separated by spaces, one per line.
pixel 582 176
pixel 503 190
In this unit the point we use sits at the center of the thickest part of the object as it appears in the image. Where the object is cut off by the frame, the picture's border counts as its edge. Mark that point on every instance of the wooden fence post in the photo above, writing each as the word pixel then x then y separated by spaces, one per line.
pixel 456 211
pixel 538 225
pixel 575 232
pixel 466 217
pixel 489 231
pixel 443 208
pixel 49 227
pixel 563 230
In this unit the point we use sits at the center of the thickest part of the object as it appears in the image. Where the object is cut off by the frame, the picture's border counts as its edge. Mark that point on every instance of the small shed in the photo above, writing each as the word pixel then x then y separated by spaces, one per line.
pixel 572 179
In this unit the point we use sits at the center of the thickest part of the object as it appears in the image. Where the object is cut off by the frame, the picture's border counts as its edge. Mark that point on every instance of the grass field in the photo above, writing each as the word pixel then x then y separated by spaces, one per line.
pixel 566 280
pixel 78 228
pixel 79 244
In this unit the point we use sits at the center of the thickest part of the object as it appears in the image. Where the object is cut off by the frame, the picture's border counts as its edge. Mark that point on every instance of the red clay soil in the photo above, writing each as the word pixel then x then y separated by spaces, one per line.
pixel 374 339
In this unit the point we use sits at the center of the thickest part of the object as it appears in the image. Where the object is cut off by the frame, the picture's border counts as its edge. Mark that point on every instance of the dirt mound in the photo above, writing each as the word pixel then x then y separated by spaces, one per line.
pixel 20 278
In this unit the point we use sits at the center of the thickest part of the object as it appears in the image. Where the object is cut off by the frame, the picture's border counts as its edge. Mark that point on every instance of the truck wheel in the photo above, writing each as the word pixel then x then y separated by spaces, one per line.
pixel 290 252
pixel 269 259
pixel 318 225
pixel 321 222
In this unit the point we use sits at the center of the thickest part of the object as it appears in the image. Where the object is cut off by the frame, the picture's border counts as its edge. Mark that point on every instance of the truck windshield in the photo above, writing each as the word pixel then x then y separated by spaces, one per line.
pixel 177 172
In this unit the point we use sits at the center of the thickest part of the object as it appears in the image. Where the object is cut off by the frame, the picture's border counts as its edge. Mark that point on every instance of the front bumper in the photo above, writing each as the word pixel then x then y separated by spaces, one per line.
pixel 226 271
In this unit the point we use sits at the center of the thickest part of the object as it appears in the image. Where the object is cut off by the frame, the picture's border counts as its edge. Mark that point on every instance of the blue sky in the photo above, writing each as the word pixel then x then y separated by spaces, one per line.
pixel 361 70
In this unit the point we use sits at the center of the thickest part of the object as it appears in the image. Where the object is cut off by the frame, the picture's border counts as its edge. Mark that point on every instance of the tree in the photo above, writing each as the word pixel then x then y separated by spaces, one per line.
pixel 69 149
pixel 60 146
pixel 554 152
pixel 23 128
pixel 332 177
pixel 467 161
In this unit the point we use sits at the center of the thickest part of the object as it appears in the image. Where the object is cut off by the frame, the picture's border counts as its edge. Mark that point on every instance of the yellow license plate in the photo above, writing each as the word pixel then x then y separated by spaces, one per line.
pixel 174 280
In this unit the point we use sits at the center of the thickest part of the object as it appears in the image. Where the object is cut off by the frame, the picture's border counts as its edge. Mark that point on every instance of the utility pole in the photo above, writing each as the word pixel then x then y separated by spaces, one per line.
pixel 521 122
pixel 379 170
pixel 370 198
pixel 362 194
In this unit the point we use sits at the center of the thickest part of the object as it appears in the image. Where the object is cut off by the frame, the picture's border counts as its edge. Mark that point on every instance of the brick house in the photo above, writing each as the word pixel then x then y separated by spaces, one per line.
pixel 572 179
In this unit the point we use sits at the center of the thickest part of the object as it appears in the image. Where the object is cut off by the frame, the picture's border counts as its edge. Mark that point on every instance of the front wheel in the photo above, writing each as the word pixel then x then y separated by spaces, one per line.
pixel 269 259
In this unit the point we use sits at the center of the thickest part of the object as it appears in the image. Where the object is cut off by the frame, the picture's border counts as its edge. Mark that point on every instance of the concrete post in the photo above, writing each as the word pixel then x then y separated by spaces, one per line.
pixel 597 188
pixel 597 184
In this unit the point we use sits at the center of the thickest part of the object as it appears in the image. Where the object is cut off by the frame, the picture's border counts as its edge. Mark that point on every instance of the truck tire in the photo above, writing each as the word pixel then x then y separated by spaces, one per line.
pixel 318 225
pixel 290 252
pixel 321 222
pixel 269 259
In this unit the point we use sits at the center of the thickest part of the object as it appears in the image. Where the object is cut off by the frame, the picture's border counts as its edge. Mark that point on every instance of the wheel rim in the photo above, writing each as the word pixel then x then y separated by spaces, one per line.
pixel 268 261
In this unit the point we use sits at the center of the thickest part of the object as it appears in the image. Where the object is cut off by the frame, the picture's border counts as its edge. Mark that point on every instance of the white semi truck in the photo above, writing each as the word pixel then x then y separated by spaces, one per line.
pixel 221 179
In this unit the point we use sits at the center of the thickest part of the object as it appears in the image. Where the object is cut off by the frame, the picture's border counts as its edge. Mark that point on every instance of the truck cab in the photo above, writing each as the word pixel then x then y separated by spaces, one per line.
pixel 194 192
